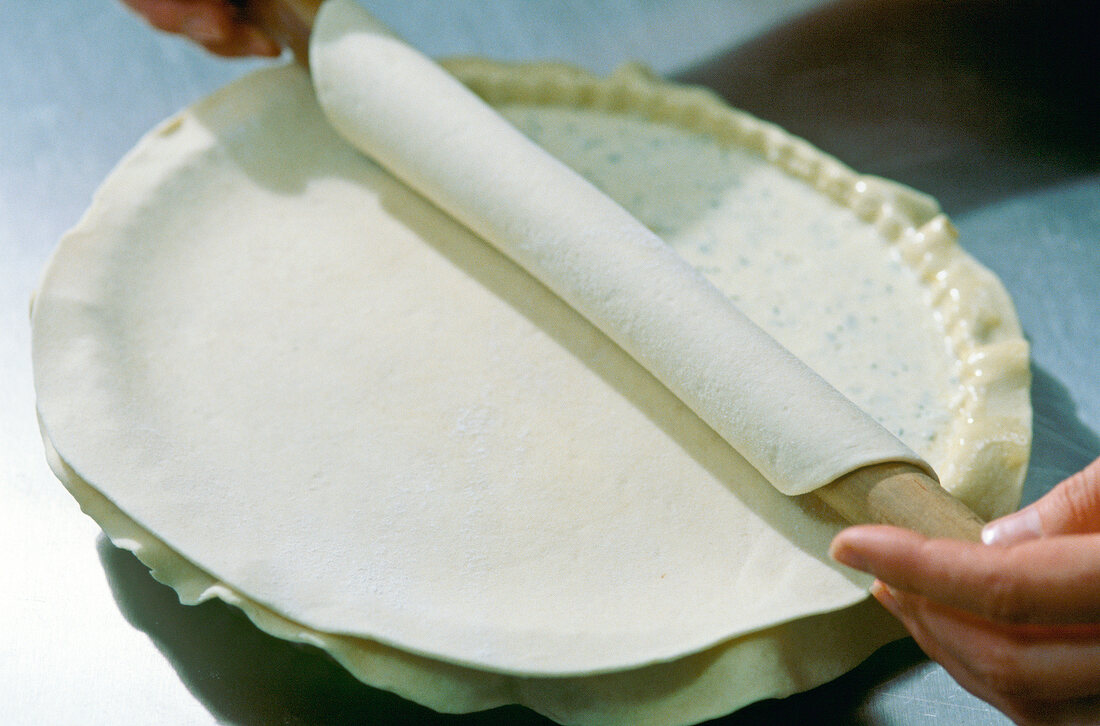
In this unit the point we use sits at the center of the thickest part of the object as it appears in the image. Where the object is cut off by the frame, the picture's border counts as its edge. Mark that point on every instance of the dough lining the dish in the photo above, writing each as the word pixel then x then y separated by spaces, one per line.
pixel 321 389
pixel 978 317
pixel 419 122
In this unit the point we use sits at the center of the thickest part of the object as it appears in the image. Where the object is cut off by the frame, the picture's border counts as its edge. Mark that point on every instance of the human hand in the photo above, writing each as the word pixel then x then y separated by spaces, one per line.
pixel 217 25
pixel 1016 621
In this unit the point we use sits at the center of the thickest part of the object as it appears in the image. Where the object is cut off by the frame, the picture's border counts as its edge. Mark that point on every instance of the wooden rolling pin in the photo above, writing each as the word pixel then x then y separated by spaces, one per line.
pixel 899 494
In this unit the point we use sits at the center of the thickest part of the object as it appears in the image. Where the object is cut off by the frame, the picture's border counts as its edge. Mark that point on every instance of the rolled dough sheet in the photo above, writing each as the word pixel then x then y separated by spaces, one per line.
pixel 419 122
pixel 318 398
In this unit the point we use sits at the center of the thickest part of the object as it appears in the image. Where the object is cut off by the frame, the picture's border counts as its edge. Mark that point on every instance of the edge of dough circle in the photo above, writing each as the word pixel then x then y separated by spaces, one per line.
pixel 988 435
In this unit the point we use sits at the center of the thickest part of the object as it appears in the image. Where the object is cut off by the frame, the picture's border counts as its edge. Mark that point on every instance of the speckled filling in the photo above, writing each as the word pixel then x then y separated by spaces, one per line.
pixel 749 200
pixel 820 280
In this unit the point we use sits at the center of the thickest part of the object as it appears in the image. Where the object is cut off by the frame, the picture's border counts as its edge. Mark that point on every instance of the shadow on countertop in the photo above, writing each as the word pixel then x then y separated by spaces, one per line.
pixel 1061 444
pixel 968 101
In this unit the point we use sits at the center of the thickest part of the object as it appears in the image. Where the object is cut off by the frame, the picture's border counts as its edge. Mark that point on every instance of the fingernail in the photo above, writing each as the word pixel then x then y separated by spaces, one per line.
pixel 881 592
pixel 1022 526
pixel 201 29
pixel 846 556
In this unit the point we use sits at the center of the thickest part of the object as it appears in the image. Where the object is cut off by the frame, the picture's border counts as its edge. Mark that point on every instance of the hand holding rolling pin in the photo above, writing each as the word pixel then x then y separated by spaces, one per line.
pixel 217 25
pixel 1016 621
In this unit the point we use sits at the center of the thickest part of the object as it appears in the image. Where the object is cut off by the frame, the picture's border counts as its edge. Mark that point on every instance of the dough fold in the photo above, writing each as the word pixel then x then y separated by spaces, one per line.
pixel 411 116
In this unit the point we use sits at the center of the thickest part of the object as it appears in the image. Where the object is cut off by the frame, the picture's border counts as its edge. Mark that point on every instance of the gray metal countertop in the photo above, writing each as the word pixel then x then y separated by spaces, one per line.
pixel 988 106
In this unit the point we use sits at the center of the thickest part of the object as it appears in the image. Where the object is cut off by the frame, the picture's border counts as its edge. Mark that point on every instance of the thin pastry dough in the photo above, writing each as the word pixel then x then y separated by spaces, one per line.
pixel 146 279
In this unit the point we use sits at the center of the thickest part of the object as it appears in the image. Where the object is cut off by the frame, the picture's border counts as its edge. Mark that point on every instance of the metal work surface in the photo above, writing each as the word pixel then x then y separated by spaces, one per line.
pixel 990 107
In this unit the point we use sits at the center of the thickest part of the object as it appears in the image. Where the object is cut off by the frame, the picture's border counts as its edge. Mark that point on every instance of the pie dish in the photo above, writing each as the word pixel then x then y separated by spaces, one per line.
pixel 189 311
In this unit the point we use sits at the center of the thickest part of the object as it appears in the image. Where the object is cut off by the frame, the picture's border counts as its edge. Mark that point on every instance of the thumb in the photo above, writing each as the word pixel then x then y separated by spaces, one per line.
pixel 1072 507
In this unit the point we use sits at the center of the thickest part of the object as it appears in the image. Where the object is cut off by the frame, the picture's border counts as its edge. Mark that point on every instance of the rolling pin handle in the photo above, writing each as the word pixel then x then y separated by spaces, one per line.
pixel 902 495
